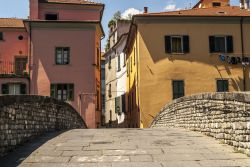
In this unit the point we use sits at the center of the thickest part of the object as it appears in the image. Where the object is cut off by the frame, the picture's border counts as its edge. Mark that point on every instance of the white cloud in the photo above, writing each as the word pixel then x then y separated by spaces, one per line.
pixel 171 7
pixel 127 14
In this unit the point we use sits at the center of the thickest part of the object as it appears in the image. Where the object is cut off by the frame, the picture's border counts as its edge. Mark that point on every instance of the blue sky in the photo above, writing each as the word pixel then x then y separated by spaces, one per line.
pixel 20 8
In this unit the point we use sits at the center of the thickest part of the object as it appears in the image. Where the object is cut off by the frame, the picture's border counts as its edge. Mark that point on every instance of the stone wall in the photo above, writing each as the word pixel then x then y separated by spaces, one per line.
pixel 224 116
pixel 25 117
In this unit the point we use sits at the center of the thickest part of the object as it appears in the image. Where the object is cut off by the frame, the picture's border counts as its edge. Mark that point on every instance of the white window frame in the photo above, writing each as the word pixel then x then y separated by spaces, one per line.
pixel 225 40
pixel 177 36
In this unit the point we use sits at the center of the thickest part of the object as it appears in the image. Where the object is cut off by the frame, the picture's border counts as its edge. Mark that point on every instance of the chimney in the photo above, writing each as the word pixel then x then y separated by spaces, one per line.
pixel 246 4
pixel 33 9
pixel 242 4
pixel 145 9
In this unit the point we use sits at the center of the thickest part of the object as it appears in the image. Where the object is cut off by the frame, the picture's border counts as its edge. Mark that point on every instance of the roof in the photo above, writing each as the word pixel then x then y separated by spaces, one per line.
pixel 79 2
pixel 227 11
pixel 11 23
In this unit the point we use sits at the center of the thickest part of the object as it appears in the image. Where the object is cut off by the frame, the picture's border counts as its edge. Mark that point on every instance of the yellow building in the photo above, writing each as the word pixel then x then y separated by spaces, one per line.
pixel 174 54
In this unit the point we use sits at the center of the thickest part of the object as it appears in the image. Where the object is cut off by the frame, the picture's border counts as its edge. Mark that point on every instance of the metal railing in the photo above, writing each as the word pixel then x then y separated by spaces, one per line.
pixel 12 68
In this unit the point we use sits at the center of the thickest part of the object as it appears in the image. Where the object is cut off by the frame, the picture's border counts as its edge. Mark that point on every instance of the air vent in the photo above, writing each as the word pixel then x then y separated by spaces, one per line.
pixel 20 37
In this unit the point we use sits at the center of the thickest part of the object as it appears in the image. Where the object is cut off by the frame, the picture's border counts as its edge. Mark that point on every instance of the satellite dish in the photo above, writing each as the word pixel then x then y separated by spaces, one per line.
pixel 222 58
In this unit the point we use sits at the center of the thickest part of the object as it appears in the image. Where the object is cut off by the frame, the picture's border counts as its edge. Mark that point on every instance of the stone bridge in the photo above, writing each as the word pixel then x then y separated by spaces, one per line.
pixel 25 117
pixel 224 116
pixel 168 143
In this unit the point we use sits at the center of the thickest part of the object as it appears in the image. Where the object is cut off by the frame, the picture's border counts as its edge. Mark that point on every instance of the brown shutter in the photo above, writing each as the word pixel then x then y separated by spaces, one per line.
pixel 230 48
pixel 186 44
pixel 168 44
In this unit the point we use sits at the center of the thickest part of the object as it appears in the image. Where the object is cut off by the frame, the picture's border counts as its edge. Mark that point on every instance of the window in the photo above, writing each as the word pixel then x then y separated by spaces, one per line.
pixel 177 44
pixel 97 57
pixel 124 60
pixel 216 4
pixel 123 103
pixel 221 44
pixel 1 36
pixel 62 55
pixel 131 64
pixel 134 56
pixel 119 62
pixel 128 68
pixel 103 101
pixel 110 92
pixel 110 62
pixel 64 92
pixel 97 100
pixel 14 88
pixel 51 16
pixel 222 85
pixel 178 89
pixel 20 65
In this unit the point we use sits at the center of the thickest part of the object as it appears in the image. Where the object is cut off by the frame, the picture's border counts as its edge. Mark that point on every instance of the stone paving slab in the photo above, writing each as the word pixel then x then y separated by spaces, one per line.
pixel 130 148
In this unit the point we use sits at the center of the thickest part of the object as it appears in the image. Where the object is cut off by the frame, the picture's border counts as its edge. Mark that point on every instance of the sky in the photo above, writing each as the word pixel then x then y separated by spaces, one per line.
pixel 20 8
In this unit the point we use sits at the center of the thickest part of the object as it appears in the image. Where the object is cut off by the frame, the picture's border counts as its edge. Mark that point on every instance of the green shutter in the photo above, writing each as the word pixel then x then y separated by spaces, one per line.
pixel 211 44
pixel 186 44
pixel 23 89
pixel 71 92
pixel 5 89
pixel 53 90
pixel 230 48
pixel 168 46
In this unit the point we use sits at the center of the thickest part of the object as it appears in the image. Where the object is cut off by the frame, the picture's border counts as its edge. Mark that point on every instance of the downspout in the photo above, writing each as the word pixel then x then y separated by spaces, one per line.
pixel 30 35
pixel 243 53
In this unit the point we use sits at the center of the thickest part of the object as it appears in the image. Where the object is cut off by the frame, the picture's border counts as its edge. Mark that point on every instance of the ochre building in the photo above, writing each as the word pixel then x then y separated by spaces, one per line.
pixel 180 53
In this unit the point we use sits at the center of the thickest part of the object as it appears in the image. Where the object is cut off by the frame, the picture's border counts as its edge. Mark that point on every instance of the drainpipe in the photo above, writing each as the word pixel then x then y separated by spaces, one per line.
pixel 30 57
pixel 243 52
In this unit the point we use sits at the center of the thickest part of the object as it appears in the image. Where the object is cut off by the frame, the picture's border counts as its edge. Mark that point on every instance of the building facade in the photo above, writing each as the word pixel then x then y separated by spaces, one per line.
pixel 63 54
pixel 189 52
pixel 115 115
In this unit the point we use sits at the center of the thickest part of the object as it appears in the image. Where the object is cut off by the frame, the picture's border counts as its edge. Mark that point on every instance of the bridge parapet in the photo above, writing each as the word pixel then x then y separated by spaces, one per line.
pixel 224 116
pixel 24 117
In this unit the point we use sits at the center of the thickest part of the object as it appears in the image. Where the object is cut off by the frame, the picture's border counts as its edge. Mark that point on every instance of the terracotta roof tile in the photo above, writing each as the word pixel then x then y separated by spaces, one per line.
pixel 11 23
pixel 213 11
pixel 83 2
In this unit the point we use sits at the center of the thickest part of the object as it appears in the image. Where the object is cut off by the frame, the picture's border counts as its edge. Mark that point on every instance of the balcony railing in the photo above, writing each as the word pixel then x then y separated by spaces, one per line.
pixel 9 68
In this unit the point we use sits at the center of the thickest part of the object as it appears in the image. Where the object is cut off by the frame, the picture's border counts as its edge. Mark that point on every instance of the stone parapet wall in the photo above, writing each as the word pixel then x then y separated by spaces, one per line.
pixel 25 117
pixel 224 116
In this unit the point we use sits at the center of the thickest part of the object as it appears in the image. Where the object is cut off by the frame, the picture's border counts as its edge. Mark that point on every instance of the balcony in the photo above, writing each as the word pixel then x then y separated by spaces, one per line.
pixel 14 69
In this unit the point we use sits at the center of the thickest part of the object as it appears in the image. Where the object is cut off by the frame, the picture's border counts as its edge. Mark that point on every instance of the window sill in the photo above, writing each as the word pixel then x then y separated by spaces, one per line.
pixel 177 53
pixel 62 64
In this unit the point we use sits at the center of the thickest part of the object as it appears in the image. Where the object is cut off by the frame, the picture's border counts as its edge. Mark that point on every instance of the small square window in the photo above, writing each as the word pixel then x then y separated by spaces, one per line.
pixel 51 16
pixel 1 36
pixel 216 4
pixel 62 55
pixel 222 85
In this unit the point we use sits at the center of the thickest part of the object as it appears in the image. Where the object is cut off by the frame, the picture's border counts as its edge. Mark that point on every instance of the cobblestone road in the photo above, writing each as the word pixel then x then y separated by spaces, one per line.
pixel 127 148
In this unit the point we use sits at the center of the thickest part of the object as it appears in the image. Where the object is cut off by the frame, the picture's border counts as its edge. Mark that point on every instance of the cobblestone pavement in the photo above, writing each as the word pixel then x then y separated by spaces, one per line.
pixel 131 148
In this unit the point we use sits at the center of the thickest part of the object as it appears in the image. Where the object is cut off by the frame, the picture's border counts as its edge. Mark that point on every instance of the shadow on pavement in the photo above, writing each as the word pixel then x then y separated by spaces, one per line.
pixel 18 155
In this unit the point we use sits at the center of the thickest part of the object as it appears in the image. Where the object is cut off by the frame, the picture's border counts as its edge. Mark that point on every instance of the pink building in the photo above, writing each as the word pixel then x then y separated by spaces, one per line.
pixel 63 41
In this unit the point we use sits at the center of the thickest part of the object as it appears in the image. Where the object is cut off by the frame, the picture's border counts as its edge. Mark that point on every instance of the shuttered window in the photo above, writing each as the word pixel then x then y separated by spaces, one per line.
pixel 14 89
pixel 23 89
pixel 64 92
pixel 5 89
pixel 178 89
pixel 222 85
pixel 177 44
pixel 221 44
